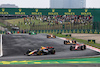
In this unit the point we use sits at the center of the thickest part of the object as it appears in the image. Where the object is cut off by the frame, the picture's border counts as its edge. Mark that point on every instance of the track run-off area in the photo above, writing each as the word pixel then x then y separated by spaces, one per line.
pixel 15 45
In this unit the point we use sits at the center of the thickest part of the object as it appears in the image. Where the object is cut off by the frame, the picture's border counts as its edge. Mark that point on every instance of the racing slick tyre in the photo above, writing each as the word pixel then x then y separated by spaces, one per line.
pixel 47 36
pixel 74 42
pixel 29 33
pixel 84 47
pixel 54 36
pixel 53 51
pixel 67 42
pixel 64 42
pixel 71 48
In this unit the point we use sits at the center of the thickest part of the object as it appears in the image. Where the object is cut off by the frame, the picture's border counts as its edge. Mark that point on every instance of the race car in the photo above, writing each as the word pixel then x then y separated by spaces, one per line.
pixel 51 36
pixel 8 32
pixel 32 33
pixel 69 42
pixel 45 51
pixel 78 46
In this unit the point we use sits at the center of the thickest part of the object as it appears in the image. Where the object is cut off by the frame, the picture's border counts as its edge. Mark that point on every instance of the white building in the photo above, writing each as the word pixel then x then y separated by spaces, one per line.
pixel 74 4
pixel 67 3
pixel 8 6
pixel 92 3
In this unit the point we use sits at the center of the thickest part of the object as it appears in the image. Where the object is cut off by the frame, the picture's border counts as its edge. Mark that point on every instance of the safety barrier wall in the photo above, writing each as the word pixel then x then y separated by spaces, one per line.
pixel 68 31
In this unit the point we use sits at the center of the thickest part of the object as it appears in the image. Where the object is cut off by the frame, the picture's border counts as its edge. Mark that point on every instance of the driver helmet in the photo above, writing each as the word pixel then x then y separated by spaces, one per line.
pixel 41 46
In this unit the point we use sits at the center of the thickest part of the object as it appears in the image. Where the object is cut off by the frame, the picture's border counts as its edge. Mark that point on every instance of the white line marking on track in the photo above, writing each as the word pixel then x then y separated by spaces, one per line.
pixel 1 47
pixel 90 47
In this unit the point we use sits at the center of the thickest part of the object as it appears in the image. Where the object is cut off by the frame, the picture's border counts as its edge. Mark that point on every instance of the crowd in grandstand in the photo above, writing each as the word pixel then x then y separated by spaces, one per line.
pixel 59 19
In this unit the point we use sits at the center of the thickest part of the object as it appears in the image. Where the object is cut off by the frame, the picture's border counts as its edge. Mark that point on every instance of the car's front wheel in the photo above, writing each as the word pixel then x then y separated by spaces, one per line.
pixel 82 47
pixel 64 42
pixel 72 48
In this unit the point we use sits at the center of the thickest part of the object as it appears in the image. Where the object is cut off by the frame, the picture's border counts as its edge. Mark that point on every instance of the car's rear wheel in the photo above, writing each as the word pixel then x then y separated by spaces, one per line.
pixel 74 42
pixel 67 42
pixel 54 36
pixel 47 36
pixel 84 47
pixel 29 33
pixel 53 51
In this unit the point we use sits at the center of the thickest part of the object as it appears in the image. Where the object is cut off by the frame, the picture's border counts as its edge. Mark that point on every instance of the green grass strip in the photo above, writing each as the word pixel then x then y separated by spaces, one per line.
pixel 58 61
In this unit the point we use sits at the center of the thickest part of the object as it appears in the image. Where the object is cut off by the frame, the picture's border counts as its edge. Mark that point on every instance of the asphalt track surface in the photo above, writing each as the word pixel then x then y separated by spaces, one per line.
pixel 14 47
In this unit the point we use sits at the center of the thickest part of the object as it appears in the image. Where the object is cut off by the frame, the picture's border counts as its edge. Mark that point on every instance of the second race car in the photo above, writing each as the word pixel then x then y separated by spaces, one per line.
pixel 32 33
pixel 51 36
pixel 78 46
pixel 69 42
pixel 41 51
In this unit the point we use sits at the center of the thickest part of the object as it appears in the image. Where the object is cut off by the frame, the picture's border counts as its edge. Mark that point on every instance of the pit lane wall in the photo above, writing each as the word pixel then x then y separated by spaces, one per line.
pixel 1 52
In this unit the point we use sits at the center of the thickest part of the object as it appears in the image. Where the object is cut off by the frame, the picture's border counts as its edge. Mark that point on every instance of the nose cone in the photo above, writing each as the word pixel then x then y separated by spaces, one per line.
pixel 75 49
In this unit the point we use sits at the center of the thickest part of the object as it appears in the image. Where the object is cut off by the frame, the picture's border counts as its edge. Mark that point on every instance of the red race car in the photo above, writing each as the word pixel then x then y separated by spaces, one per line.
pixel 78 46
